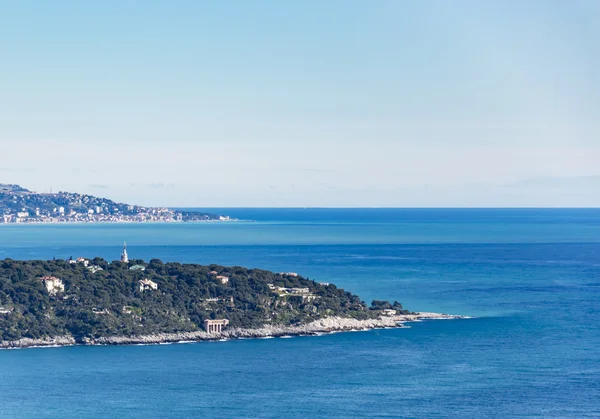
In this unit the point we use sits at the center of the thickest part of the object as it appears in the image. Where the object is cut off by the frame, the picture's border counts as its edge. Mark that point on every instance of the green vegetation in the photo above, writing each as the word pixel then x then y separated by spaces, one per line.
pixel 109 302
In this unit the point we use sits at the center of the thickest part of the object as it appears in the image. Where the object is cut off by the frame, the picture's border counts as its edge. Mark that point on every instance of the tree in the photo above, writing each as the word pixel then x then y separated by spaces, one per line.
pixel 380 305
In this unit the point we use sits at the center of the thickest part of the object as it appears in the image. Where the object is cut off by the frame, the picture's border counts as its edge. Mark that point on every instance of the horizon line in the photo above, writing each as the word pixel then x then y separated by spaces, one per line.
pixel 384 207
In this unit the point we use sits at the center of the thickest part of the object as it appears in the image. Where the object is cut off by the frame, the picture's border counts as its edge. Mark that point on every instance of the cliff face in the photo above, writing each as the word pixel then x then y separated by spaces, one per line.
pixel 101 300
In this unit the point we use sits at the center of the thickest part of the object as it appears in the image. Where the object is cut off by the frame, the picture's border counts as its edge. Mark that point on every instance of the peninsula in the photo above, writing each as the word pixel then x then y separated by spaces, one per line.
pixel 92 301
pixel 19 205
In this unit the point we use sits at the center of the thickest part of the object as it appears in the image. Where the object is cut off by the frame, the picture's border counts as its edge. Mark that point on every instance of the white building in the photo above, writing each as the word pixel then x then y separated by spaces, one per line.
pixel 84 261
pixel 94 268
pixel 146 284
pixel 53 284
pixel 215 326
pixel 224 279
pixel 298 290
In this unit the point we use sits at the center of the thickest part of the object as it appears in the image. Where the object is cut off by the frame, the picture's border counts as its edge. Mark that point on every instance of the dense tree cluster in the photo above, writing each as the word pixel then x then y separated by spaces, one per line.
pixel 110 302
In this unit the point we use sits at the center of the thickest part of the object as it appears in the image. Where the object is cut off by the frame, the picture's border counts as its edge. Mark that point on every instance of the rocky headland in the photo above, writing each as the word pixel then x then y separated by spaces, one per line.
pixel 95 302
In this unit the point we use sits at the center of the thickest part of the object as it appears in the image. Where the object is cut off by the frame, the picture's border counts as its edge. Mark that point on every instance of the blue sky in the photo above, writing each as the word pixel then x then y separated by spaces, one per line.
pixel 312 103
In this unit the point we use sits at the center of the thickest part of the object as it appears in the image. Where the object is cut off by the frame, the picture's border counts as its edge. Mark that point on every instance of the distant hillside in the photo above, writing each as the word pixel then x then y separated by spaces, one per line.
pixel 19 205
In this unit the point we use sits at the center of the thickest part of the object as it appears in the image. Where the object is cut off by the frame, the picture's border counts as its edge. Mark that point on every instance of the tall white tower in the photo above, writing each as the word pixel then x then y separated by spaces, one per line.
pixel 124 257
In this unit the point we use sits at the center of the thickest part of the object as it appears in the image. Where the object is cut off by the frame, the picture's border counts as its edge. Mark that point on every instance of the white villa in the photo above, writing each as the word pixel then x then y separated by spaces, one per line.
pixel 84 261
pixel 297 292
pixel 94 268
pixel 146 284
pixel 224 279
pixel 53 284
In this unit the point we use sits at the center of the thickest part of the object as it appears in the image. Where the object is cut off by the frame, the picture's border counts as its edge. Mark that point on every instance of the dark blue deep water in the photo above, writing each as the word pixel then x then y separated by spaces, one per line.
pixel 530 278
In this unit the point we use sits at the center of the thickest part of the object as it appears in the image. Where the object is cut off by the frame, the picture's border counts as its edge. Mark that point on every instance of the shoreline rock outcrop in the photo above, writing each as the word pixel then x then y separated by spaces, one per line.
pixel 43 342
pixel 324 325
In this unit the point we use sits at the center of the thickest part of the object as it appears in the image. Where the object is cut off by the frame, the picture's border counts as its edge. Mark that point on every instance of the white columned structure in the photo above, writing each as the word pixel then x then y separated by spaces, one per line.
pixel 215 326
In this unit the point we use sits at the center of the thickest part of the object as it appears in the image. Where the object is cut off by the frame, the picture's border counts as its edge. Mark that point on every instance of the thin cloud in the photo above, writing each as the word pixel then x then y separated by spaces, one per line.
pixel 555 182
pixel 14 169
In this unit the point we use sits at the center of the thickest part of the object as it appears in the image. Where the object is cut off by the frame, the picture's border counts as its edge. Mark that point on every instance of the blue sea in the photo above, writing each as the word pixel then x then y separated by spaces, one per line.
pixel 530 279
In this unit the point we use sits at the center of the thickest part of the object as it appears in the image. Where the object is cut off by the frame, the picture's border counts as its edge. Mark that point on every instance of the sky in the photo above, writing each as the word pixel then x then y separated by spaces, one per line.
pixel 337 103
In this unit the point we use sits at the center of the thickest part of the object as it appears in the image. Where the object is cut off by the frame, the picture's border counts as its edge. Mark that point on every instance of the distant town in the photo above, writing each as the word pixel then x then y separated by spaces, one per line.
pixel 19 205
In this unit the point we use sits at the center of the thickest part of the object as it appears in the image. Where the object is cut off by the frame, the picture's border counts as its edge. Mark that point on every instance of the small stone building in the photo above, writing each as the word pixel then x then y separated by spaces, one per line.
pixel 215 326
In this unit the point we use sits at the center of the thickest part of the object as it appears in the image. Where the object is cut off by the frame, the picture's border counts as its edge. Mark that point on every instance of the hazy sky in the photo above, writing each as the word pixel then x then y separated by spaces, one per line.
pixel 304 103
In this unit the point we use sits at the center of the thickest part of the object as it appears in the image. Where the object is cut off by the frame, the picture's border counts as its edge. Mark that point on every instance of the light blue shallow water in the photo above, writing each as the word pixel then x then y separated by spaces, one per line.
pixel 531 278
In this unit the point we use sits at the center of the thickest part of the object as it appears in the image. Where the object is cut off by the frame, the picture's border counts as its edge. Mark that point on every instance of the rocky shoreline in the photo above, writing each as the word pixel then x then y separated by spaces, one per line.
pixel 317 327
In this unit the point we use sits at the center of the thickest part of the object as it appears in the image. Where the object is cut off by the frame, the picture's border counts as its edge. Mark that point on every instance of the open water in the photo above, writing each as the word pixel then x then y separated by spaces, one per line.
pixel 530 278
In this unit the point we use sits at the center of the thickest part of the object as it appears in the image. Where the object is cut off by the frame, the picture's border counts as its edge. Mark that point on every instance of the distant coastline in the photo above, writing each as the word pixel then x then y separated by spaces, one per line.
pixel 22 206
pixel 78 222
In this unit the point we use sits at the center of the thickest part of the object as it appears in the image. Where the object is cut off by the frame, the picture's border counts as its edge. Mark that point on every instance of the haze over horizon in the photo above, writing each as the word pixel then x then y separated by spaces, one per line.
pixel 312 104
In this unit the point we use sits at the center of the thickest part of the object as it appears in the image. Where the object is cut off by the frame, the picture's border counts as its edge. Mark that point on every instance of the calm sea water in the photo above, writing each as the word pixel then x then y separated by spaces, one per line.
pixel 531 279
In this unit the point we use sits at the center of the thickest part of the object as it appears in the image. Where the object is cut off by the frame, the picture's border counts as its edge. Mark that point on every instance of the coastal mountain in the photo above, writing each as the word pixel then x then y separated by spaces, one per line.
pixel 19 205
pixel 85 301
